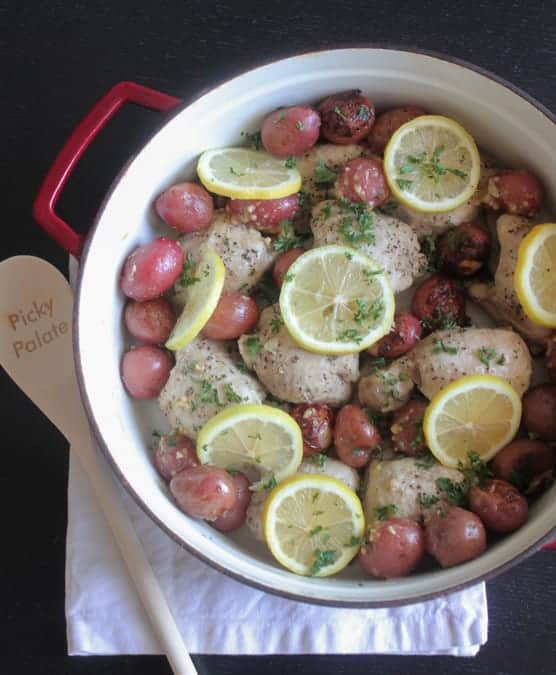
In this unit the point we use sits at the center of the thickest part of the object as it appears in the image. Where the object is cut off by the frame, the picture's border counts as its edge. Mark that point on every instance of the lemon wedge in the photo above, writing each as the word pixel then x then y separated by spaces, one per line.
pixel 201 298
pixel 535 274
pixel 242 173
pixel 263 442
pixel 432 164
pixel 476 413
pixel 336 300
pixel 313 524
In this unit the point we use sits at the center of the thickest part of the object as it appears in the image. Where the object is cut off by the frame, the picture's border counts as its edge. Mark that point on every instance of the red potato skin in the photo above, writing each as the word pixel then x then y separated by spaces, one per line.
pixel 407 428
pixel 145 370
pixel 395 549
pixel 499 505
pixel 151 321
pixel 205 492
pixel 283 263
pixel 390 121
pixel 173 454
pixel 288 132
pixel 464 249
pixel 436 298
pixel 525 459
pixel 151 270
pixel 518 192
pixel 264 214
pixel 235 314
pixel 363 180
pixel 454 536
pixel 539 411
pixel 354 436
pixel 347 117
pixel 235 517
pixel 315 421
pixel 187 207
pixel 404 335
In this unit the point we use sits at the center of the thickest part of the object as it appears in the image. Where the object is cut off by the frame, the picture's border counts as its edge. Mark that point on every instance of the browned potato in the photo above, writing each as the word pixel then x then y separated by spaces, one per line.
pixel 539 411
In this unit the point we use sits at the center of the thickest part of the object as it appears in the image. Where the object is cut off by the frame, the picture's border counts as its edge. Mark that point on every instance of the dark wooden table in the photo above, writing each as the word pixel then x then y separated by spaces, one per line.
pixel 58 58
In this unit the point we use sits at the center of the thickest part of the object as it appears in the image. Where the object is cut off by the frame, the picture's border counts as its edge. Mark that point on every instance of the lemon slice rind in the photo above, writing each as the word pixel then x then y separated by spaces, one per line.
pixel 342 270
pixel 534 246
pixel 394 159
pixel 200 300
pixel 242 173
pixel 262 441
pixel 450 431
pixel 335 530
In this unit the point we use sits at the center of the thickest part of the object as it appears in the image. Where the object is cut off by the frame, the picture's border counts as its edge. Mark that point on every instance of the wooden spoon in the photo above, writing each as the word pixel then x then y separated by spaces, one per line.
pixel 36 350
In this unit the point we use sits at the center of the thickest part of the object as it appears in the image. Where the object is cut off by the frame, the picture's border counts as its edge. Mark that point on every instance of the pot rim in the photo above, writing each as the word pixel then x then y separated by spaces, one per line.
pixel 89 408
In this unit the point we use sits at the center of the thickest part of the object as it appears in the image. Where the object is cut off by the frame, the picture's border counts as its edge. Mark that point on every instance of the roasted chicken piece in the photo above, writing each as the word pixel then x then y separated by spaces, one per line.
pixel 290 372
pixel 499 299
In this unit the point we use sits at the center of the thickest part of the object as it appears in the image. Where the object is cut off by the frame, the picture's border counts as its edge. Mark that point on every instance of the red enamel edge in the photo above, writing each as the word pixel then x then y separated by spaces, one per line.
pixel 550 547
pixel 75 146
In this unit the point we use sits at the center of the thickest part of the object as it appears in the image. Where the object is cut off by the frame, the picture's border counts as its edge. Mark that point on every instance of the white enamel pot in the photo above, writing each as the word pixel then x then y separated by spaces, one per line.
pixel 504 121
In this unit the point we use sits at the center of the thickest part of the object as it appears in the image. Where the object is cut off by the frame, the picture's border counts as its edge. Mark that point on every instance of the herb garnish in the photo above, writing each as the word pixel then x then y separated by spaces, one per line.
pixel 209 394
pixel 271 484
pixel 430 168
pixel 315 530
pixel 276 323
pixel 385 512
pixel 428 500
pixel 230 395
pixel 187 277
pixel 299 125
pixel 486 355
pixel 403 183
pixel 364 112
pixel 365 312
pixel 426 462
pixel 322 559
pixel 351 334
pixel 454 492
pixel 323 174
pixel 287 239
pixel 356 225
pixel 428 249
pixel 254 139
pixel 253 345
pixel 441 347
pixel 340 114
pixel 318 460
pixel 290 163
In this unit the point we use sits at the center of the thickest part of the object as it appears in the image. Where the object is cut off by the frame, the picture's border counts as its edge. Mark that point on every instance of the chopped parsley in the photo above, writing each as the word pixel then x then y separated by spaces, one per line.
pixel 276 323
pixel 385 512
pixel 356 224
pixel 364 112
pixel 455 493
pixel 315 530
pixel 389 208
pixel 253 139
pixel 299 125
pixel 253 345
pixel 441 347
pixel 232 472
pixel 477 471
pixel 236 173
pixel 304 199
pixel 403 183
pixel 209 394
pixel 241 367
pixel 350 334
pixel 428 500
pixel 323 174
pixel 271 484
pixel 287 239
pixel 318 460
pixel 431 168
pixel 426 462
pixel 289 277
pixel 230 395
pixel 486 355
pixel 365 312
pixel 279 117
pixel 428 249
pixel 354 541
pixel 291 163
pixel 322 559
pixel 340 114
pixel 440 320
pixel 187 277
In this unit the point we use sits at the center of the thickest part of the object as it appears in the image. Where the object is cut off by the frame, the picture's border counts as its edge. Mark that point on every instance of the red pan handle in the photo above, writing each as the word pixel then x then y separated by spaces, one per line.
pixel 75 146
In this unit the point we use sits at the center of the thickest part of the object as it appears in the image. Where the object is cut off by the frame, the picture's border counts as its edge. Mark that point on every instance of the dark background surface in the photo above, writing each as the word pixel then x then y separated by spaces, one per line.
pixel 57 59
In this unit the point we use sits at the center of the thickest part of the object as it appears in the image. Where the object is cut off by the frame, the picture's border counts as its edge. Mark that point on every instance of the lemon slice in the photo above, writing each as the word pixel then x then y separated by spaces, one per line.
pixel 313 524
pixel 476 413
pixel 201 298
pixel 247 174
pixel 263 442
pixel 432 164
pixel 335 300
pixel 535 274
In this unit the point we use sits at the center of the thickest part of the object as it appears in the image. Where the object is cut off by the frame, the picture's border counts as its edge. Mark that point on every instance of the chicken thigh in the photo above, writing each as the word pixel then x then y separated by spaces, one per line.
pixel 290 372
pixel 390 243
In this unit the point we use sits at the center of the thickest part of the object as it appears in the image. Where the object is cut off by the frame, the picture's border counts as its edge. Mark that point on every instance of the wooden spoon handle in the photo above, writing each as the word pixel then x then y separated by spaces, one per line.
pixel 133 554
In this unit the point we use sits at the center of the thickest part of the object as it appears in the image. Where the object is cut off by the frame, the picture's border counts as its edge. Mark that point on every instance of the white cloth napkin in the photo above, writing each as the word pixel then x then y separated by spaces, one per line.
pixel 221 616
pixel 218 615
